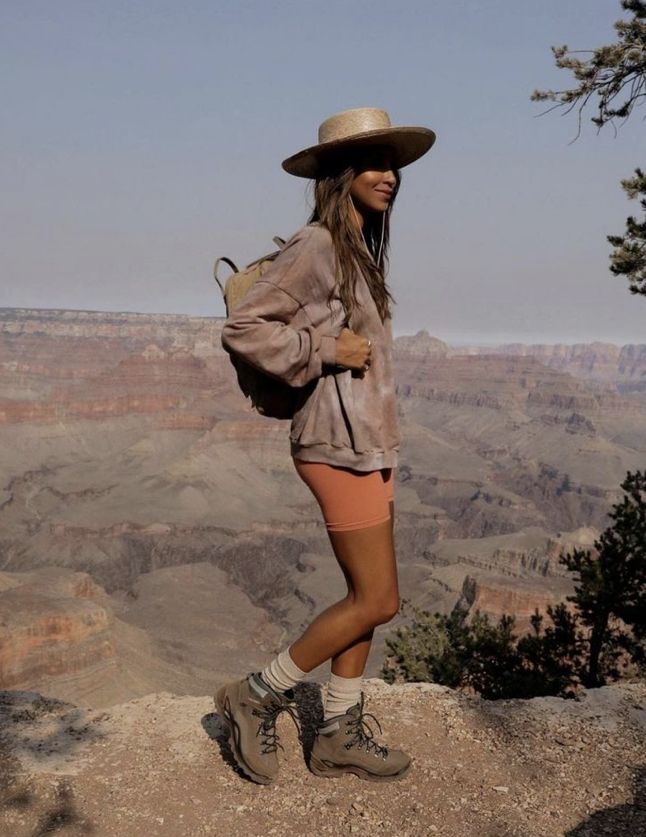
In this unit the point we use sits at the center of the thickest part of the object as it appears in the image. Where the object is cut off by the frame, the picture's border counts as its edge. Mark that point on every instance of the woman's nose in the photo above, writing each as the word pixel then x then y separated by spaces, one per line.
pixel 390 177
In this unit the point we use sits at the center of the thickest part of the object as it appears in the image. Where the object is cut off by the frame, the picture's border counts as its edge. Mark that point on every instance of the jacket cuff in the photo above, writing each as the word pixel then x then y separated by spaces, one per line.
pixel 327 350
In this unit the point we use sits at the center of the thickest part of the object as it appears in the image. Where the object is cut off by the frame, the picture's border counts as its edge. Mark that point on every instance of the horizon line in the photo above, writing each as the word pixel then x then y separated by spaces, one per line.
pixel 473 342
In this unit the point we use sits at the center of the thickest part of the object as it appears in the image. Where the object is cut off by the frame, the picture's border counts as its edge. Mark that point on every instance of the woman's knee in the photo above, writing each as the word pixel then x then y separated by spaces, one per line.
pixel 388 610
pixel 377 610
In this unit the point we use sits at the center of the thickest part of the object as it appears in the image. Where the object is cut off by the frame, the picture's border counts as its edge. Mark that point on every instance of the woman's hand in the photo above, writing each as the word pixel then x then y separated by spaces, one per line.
pixel 352 350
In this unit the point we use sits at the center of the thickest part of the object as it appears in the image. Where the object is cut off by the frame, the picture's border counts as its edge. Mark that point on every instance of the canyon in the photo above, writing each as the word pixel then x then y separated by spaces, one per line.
pixel 154 535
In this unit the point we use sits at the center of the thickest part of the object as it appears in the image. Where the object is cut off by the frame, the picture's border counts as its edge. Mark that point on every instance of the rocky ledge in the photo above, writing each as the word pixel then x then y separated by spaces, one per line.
pixel 159 765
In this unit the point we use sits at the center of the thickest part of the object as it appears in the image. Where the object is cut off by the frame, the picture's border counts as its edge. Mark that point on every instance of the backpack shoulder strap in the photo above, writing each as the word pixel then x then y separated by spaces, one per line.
pixel 231 264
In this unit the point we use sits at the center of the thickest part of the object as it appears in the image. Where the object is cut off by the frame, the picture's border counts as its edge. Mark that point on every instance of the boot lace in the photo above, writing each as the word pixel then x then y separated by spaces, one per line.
pixel 363 734
pixel 267 727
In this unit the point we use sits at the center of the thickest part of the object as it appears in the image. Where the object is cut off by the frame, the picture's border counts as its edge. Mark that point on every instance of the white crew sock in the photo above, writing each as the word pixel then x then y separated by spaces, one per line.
pixel 342 693
pixel 282 672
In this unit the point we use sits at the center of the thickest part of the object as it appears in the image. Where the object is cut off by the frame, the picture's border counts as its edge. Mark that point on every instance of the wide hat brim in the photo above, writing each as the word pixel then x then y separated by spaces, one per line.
pixel 407 143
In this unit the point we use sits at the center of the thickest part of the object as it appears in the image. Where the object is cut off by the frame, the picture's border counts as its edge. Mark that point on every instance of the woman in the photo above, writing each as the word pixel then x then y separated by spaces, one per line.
pixel 319 319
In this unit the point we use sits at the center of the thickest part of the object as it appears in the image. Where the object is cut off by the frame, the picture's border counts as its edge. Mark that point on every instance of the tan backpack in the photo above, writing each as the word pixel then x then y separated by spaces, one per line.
pixel 269 396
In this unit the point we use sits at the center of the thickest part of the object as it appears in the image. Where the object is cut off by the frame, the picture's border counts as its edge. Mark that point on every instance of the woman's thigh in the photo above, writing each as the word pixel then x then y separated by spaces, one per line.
pixel 349 499
pixel 357 513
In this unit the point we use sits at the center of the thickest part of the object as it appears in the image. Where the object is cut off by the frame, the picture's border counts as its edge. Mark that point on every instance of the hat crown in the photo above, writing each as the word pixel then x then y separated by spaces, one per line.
pixel 347 123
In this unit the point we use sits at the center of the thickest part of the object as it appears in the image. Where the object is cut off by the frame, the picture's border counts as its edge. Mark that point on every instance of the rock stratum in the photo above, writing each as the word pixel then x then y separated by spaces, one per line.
pixel 62 633
pixel 159 765
pixel 624 366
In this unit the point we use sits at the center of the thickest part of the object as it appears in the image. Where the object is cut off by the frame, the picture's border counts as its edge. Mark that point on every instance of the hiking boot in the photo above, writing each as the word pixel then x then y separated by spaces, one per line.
pixel 345 744
pixel 251 708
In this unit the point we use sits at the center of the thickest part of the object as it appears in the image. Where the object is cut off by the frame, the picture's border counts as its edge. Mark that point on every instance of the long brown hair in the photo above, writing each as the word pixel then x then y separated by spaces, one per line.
pixel 333 209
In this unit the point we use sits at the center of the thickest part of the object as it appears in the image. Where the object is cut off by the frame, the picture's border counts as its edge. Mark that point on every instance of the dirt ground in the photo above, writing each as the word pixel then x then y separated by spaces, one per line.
pixel 159 765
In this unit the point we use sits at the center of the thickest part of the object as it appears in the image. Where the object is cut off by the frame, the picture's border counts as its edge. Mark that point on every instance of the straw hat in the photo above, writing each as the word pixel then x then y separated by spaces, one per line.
pixel 360 127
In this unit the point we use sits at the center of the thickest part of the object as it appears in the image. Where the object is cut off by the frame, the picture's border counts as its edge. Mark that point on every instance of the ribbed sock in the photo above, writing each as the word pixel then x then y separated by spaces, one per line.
pixel 342 693
pixel 282 672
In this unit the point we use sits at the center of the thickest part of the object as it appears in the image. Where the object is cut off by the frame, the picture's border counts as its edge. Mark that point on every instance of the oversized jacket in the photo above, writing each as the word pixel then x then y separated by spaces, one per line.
pixel 286 327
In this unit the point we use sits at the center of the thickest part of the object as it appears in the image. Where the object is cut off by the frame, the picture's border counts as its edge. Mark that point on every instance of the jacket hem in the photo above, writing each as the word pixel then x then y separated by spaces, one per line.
pixel 345 457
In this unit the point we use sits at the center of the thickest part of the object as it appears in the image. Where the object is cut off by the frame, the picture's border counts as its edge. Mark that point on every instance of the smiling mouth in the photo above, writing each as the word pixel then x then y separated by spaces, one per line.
pixel 385 194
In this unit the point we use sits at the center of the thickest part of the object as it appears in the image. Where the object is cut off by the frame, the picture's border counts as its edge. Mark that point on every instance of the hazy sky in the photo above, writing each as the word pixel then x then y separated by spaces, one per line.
pixel 142 139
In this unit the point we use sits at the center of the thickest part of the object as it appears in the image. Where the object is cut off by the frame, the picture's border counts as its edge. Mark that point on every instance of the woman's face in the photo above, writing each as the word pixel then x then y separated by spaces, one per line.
pixel 374 180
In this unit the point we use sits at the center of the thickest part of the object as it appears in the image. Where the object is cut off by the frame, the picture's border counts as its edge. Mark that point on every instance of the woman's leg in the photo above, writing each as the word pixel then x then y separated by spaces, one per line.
pixel 367 558
pixel 351 662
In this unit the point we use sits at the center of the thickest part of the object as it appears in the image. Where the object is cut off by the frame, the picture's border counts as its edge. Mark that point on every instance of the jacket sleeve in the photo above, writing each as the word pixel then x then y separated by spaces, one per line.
pixel 258 331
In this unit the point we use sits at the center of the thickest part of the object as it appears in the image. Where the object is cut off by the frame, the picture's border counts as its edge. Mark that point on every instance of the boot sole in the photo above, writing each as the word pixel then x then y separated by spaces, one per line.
pixel 223 706
pixel 319 768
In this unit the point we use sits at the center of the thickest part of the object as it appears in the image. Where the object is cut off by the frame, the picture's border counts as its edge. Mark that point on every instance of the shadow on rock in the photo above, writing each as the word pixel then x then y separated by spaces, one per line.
pixel 620 820
pixel 35 730
pixel 63 815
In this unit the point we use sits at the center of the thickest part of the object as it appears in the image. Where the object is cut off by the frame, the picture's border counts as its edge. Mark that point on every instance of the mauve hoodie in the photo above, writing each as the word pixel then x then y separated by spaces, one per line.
pixel 285 327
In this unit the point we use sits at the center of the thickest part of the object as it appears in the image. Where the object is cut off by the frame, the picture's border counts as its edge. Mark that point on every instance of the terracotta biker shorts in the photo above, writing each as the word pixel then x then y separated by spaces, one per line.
pixel 349 499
